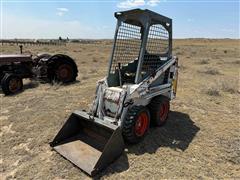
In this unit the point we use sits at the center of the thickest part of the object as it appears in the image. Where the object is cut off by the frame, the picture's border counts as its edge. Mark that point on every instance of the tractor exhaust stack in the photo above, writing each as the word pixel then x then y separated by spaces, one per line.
pixel 89 143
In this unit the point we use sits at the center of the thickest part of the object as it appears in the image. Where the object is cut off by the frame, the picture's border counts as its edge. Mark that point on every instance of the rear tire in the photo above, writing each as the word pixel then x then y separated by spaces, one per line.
pixel 159 110
pixel 11 84
pixel 136 124
pixel 62 68
pixel 64 73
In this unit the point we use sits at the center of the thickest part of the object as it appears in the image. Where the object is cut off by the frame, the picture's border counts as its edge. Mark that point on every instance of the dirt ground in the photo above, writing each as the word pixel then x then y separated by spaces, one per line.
pixel 200 140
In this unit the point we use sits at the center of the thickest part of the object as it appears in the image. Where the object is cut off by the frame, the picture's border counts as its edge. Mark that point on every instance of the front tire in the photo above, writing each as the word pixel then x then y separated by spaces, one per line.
pixel 11 84
pixel 136 124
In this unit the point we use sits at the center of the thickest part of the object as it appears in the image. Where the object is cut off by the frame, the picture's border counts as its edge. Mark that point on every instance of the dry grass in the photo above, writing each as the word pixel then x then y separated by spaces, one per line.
pixel 95 59
pixel 236 62
pixel 213 91
pixel 93 70
pixel 204 61
pixel 211 71
pixel 182 67
pixel 230 86
pixel 85 77
pixel 83 62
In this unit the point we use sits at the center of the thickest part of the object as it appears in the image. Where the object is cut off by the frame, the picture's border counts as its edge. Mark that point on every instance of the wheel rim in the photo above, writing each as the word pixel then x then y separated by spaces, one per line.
pixel 163 111
pixel 64 72
pixel 14 85
pixel 141 124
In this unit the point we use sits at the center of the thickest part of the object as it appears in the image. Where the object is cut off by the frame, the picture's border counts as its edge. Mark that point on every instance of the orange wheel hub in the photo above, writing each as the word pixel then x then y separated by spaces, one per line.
pixel 14 85
pixel 141 124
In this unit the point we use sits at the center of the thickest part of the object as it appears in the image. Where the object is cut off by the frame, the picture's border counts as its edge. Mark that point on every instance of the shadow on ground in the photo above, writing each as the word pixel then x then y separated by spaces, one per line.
pixel 30 85
pixel 56 83
pixel 177 133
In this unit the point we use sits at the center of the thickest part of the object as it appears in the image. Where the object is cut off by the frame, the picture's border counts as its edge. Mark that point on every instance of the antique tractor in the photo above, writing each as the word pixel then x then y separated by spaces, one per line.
pixel 44 67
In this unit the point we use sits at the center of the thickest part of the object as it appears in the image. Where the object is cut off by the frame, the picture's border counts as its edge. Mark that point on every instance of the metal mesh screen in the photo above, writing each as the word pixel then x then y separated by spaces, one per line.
pixel 157 44
pixel 127 46
pixel 157 39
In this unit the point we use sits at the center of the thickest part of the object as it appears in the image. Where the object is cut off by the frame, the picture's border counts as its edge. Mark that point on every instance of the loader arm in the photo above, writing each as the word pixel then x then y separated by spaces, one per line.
pixel 143 89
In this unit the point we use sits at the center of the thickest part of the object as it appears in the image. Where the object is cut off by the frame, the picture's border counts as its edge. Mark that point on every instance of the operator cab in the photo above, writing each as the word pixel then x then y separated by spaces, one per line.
pixel 142 45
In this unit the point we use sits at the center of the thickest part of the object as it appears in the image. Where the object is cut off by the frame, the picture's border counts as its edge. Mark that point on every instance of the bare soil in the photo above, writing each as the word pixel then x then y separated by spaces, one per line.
pixel 200 140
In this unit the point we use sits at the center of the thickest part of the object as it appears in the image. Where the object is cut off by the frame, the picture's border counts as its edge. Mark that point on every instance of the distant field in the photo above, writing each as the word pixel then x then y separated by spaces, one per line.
pixel 200 140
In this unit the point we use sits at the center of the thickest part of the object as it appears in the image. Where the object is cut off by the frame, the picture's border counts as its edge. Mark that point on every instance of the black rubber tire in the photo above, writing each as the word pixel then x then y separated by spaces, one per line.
pixel 55 62
pixel 5 84
pixel 155 107
pixel 1 75
pixel 67 68
pixel 128 126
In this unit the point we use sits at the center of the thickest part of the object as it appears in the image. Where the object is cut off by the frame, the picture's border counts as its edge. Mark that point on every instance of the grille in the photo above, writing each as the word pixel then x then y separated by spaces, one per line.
pixel 128 44
pixel 157 44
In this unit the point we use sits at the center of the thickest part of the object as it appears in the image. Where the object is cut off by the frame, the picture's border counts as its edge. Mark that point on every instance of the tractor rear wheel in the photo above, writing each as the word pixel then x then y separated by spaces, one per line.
pixel 62 68
pixel 136 124
pixel 11 84
pixel 64 73
pixel 159 110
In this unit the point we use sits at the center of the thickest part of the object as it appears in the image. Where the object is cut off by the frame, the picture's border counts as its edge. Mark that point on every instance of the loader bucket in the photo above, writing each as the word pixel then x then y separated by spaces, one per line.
pixel 91 144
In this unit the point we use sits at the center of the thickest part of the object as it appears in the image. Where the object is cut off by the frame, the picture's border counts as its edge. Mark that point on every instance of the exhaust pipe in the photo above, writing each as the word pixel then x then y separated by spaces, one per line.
pixel 89 143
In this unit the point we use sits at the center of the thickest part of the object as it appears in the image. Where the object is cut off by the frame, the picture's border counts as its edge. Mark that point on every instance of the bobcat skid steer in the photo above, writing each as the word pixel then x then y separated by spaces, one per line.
pixel 141 81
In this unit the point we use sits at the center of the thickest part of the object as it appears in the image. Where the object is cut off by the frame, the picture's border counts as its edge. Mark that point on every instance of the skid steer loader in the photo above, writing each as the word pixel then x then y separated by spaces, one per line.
pixel 141 80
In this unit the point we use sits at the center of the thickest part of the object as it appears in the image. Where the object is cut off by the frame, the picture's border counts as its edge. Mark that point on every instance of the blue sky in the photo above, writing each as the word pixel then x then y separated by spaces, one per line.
pixel 94 18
